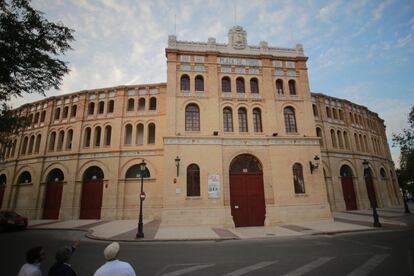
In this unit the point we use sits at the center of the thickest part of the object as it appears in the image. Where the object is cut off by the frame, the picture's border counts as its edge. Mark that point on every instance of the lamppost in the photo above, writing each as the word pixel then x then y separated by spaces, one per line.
pixel 140 233
pixel 404 194
pixel 365 164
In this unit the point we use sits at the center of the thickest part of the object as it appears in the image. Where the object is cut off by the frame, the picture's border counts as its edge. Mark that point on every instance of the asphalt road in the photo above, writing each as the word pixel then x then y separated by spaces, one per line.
pixel 369 253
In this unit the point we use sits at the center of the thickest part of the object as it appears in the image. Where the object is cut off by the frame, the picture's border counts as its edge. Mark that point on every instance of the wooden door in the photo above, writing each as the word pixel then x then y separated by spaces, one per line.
pixel 349 192
pixel 371 191
pixel 53 199
pixel 247 199
pixel 91 201
pixel 2 188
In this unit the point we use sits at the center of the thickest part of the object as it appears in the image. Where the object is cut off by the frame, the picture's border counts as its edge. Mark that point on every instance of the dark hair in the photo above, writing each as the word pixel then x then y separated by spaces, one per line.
pixel 33 254
pixel 63 254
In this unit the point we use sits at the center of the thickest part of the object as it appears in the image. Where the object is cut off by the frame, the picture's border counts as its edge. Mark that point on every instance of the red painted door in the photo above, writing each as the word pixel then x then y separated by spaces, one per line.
pixel 247 199
pixel 2 188
pixel 349 192
pixel 53 198
pixel 91 201
pixel 371 191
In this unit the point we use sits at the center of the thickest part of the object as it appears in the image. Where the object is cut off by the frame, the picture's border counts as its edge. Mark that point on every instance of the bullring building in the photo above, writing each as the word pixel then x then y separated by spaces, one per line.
pixel 233 137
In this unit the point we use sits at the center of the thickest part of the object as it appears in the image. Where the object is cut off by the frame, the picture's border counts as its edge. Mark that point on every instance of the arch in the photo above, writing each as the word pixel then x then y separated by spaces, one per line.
pixel 55 175
pixel 185 83
pixel 247 191
pixel 93 173
pixel 24 146
pixel 240 85
pixel 242 118
pixel 131 104
pixel 340 141
pixel 227 119
pixel 346 139
pixel 61 138
pixel 128 134
pixel 43 116
pixel 31 144
pixel 292 87
pixel 53 194
pixel 153 103
pixel 87 137
pixel 101 107
pixel 65 112
pixel 69 138
pixel 135 172
pixel 257 120
pixel 319 134
pixel 57 113
pixel 225 84
pixel 192 117
pixel 108 135
pixel 24 177
pixel 290 119
pixel 315 110
pixel 151 133
pixel 348 189
pixel 193 180
pixel 97 136
pixel 279 87
pixel 139 139
pixel 111 104
pixel 254 85
pixel 383 174
pixel 92 191
pixel 91 108
pixel 52 140
pixel 73 111
pixel 37 143
pixel 298 181
pixel 199 83
pixel 141 104
pixel 333 139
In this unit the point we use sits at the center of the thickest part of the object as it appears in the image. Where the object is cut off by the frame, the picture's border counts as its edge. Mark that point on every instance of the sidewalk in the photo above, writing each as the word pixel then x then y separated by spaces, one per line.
pixel 125 230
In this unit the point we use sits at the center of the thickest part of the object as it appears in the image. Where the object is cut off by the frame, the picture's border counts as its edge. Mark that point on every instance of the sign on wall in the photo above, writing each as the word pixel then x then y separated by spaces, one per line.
pixel 213 184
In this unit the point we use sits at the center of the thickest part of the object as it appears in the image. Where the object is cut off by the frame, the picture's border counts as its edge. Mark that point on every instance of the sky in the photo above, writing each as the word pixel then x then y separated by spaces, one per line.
pixel 358 50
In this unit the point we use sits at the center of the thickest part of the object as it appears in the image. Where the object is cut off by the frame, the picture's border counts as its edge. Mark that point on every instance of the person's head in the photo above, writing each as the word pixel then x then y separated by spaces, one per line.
pixel 111 251
pixel 35 255
pixel 63 254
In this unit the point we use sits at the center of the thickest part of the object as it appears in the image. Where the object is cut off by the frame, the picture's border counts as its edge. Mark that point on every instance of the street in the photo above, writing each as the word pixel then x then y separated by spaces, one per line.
pixel 368 253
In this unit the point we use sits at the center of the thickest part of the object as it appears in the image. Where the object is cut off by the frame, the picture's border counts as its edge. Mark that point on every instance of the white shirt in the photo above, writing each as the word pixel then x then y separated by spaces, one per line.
pixel 30 270
pixel 115 267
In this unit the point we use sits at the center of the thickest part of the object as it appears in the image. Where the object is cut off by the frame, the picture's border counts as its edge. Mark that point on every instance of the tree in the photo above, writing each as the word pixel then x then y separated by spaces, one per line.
pixel 29 49
pixel 405 141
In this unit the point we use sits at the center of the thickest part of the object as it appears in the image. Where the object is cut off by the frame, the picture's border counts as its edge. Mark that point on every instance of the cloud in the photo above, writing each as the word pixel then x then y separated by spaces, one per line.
pixel 328 11
pixel 378 11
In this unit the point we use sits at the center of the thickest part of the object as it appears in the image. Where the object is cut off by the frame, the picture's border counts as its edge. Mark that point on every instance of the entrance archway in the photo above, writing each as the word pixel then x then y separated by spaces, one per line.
pixel 369 183
pixel 348 187
pixel 246 191
pixel 92 191
pixel 53 195
pixel 3 182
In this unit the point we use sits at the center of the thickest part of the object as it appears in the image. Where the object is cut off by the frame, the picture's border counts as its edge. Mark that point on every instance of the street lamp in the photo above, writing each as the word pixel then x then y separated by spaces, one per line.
pixel 140 233
pixel 314 166
pixel 365 164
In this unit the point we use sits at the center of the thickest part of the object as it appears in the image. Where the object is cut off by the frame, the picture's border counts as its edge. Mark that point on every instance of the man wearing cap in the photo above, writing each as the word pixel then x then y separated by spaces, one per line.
pixel 113 266
pixel 61 266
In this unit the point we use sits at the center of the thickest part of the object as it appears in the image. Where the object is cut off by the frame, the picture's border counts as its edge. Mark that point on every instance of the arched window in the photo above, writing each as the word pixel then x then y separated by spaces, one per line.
pixel 199 83
pixel 290 120
pixel 36 118
pixel 292 87
pixel 52 140
pixel 254 85
pixel 93 173
pixel 101 107
pixel 108 134
pixel 257 120
pixel 279 87
pixel 128 134
pixel 31 144
pixel 151 133
pixel 87 137
pixel 153 103
pixel 3 180
pixel 352 117
pixel 185 83
pixel 345 171
pixel 298 181
pixel 227 119
pixel 97 136
pixel 135 172
pixel 131 103
pixel 361 142
pixel 333 139
pixel 193 180
pixel 328 112
pixel 61 137
pixel 366 143
pixel 341 115
pixel 340 142
pixel 356 142
pixel 69 138
pixel 13 148
pixel 37 145
pixel 240 85
pixel 43 116
pixel 319 134
pixel 111 106
pixel 346 138
pixel 382 173
pixel 57 113
pixel 91 108
pixel 315 110
pixel 141 104
pixel 25 177
pixel 30 119
pixel 242 119
pixel 335 114
pixel 192 118
pixel 65 112
pixel 73 111
pixel 140 134
pixel 225 84
pixel 55 175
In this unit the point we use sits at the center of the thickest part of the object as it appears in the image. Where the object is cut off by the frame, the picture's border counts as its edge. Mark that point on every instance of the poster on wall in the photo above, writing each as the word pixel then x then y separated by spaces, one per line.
pixel 213 185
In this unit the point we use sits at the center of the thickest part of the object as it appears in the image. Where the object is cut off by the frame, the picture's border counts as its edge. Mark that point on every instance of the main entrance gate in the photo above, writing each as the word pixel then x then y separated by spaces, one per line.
pixel 246 191
pixel 348 188
pixel 53 196
pixel 92 190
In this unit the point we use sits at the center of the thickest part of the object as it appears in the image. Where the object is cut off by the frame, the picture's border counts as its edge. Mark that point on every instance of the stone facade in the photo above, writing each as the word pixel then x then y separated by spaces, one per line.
pixel 115 128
